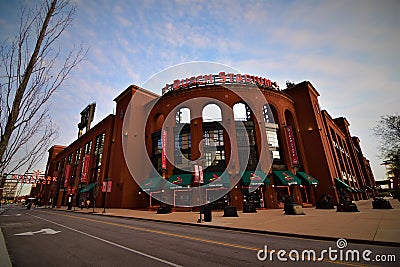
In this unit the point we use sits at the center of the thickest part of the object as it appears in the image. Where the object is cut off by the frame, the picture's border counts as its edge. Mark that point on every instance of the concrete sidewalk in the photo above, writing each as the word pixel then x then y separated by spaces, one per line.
pixel 4 257
pixel 370 226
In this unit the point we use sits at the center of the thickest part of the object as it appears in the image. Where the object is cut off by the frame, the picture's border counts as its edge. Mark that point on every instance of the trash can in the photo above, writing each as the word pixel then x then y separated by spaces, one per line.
pixel 230 211
pixel 164 210
pixel 380 203
pixel 249 208
pixel 293 209
pixel 207 214
pixel 69 202
pixel 347 207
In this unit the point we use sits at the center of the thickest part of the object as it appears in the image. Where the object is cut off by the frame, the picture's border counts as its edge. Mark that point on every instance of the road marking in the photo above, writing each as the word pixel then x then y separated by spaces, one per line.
pixel 46 231
pixel 194 238
pixel 110 242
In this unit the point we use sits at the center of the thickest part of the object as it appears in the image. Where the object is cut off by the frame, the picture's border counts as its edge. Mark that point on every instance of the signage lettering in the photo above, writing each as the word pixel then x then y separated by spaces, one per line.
pixel 163 149
pixel 292 146
pixel 217 79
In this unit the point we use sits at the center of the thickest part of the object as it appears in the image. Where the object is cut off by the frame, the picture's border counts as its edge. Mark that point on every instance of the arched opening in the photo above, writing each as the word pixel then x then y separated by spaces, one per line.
pixel 272 132
pixel 182 141
pixel 156 148
pixel 274 140
pixel 241 112
pixel 213 138
pixel 295 159
pixel 159 121
pixel 211 112
pixel 247 152
pixel 183 116
pixel 245 136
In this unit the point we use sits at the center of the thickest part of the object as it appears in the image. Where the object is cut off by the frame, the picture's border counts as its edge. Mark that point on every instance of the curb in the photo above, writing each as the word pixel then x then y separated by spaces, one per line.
pixel 4 256
pixel 303 236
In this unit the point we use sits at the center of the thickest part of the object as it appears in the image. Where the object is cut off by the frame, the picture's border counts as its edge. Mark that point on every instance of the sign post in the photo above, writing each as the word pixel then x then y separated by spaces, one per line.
pixel 106 188
pixel 198 178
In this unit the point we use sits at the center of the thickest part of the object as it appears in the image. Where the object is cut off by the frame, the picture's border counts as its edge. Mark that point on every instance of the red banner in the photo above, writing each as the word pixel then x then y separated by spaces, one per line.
pixel 85 171
pixel 292 146
pixel 163 149
pixel 67 172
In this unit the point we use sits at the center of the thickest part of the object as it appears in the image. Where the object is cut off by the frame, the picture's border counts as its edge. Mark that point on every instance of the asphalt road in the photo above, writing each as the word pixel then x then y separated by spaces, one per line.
pixel 44 237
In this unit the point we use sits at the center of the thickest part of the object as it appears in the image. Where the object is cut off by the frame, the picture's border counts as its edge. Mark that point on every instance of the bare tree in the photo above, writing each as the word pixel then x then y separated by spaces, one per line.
pixel 32 67
pixel 388 133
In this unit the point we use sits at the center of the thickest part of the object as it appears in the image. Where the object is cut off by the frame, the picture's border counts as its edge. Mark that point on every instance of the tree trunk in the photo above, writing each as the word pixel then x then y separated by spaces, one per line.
pixel 13 116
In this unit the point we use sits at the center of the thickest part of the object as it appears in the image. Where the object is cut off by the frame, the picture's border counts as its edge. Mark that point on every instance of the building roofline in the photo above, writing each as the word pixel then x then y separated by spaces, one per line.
pixel 308 83
pixel 342 119
pixel 87 132
pixel 55 147
pixel 134 87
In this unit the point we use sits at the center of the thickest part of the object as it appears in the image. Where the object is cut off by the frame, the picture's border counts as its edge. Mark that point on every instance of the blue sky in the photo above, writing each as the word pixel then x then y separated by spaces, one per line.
pixel 347 49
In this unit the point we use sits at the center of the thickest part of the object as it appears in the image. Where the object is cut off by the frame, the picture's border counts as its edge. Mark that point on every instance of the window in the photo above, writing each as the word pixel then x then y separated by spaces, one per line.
pixel 241 112
pixel 214 137
pixel 273 142
pixel 268 117
pixel 214 158
pixel 211 112
pixel 183 116
pixel 69 159
pixel 99 144
pixel 214 147
pixel 271 130
pixel 246 146
pixel 272 137
pixel 98 156
pixel 78 155
pixel 88 147
pixel 183 146
pixel 183 141
pixel 156 151
pixel 157 146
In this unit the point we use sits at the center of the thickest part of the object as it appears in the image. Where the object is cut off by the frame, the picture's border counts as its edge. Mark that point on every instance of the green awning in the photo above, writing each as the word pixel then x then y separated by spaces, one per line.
pixel 216 179
pixel 342 185
pixel 179 180
pixel 307 179
pixel 285 178
pixel 88 188
pixel 152 184
pixel 368 188
pixel 254 178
